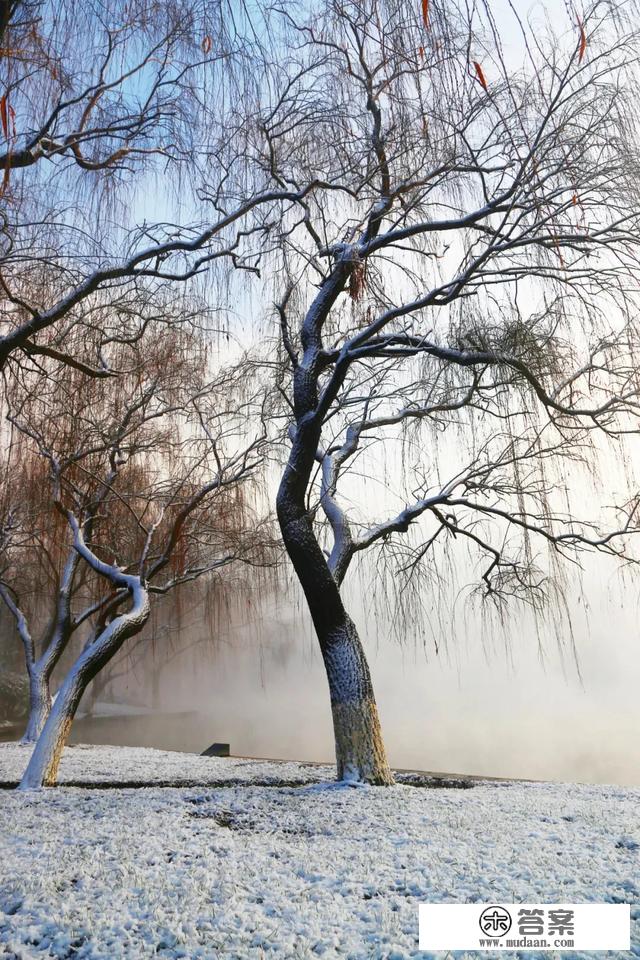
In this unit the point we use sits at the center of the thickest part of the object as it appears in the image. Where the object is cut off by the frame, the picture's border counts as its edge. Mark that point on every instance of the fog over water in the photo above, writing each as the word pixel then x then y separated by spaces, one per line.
pixel 478 707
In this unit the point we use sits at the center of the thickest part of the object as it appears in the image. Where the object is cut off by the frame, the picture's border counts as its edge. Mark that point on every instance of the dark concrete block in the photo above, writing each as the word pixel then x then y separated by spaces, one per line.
pixel 216 750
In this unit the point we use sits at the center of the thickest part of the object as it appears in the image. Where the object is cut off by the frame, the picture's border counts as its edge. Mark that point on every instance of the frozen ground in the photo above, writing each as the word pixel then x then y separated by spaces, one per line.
pixel 235 871
pixel 84 764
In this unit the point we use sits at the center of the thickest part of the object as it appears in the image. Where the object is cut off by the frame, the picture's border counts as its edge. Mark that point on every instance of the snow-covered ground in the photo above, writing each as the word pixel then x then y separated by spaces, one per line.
pixel 235 871
pixel 83 763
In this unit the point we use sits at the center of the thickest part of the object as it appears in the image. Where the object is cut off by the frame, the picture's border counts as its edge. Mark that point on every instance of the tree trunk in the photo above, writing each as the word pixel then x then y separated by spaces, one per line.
pixel 42 770
pixel 39 704
pixel 360 752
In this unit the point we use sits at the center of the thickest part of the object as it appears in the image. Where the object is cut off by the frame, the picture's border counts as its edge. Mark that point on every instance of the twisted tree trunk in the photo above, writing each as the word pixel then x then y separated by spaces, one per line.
pixel 360 752
pixel 42 770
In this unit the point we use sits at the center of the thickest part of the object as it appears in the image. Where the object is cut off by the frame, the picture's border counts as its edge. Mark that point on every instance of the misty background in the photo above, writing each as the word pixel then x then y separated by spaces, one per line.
pixel 510 700
pixel 458 690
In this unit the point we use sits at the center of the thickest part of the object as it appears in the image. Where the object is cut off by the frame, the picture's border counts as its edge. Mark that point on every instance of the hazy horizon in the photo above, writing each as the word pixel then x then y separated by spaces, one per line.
pixel 510 711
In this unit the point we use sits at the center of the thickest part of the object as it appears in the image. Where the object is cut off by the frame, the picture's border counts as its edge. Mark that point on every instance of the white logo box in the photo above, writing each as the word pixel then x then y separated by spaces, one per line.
pixel 456 926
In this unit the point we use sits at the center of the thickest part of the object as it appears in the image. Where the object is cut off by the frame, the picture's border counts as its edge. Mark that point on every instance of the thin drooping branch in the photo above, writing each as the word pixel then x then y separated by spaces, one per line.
pixel 403 320
pixel 147 473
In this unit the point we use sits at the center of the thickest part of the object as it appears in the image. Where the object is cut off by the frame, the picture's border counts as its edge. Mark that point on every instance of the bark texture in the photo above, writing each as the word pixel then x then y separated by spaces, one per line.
pixel 360 752
pixel 42 770
pixel 39 704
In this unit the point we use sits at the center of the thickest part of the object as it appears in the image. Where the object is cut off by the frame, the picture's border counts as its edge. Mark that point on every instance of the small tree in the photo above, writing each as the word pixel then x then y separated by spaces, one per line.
pixel 466 269
pixel 149 482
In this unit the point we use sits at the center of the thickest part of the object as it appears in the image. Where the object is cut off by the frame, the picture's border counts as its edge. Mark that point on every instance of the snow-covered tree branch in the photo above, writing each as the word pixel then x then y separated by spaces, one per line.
pixel 471 284
pixel 149 502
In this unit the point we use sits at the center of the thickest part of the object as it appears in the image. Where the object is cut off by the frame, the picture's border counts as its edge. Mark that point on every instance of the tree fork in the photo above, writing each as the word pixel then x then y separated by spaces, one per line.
pixel 42 770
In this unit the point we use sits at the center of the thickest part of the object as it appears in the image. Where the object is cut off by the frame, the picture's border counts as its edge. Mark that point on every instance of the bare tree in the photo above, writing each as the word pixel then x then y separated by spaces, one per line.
pixel 469 270
pixel 150 481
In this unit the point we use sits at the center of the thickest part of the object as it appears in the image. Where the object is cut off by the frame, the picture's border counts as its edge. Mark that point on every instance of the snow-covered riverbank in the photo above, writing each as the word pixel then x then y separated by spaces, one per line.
pixel 286 871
